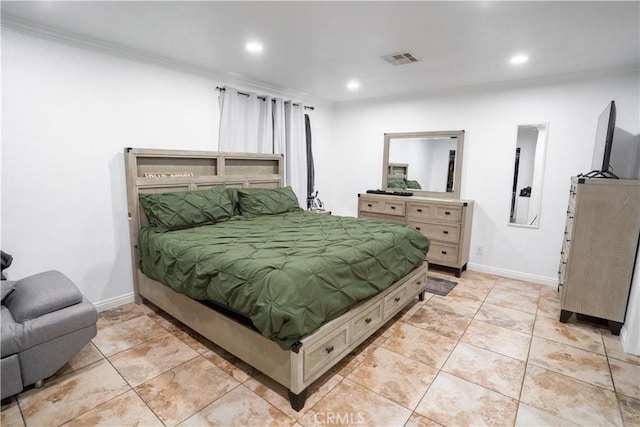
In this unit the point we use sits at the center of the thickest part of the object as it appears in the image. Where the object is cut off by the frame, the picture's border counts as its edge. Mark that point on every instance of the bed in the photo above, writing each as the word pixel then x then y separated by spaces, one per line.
pixel 290 293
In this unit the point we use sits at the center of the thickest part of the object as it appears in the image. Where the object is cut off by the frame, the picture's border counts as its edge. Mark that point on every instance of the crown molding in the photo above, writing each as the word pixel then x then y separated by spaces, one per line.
pixel 95 45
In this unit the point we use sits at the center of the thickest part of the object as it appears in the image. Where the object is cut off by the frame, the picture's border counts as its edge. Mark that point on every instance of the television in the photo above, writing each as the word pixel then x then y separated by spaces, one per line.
pixel 600 165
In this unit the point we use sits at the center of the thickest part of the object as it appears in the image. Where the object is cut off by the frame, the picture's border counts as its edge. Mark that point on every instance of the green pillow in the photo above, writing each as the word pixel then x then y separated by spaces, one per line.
pixel 186 209
pixel 267 201
pixel 396 183
pixel 414 185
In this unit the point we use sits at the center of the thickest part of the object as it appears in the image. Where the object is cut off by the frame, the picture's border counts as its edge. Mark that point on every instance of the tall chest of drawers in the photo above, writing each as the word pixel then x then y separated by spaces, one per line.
pixel 447 223
pixel 599 248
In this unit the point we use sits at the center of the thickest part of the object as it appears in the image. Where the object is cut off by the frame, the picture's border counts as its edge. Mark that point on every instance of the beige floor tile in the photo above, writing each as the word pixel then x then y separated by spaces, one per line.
pixel 352 360
pixel 86 356
pixel 395 377
pixel 550 293
pixel 578 335
pixel 500 340
pixel 424 346
pixel 571 361
pixel 519 286
pixel 452 401
pixel 511 298
pixel 509 318
pixel 418 420
pixel 181 392
pixel 125 410
pixel 630 409
pixel 472 290
pixel 11 416
pixel 229 364
pixel 152 358
pixel 439 321
pixel 278 396
pixel 119 314
pixel 70 395
pixel 458 305
pixel 626 377
pixel 121 336
pixel 487 369
pixel 528 416
pixel 614 348
pixel 239 407
pixel 549 307
pixel 568 398
pixel 351 404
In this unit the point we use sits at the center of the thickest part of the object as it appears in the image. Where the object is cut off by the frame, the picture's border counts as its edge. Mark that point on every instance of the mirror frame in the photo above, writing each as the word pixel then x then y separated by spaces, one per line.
pixel 457 175
pixel 539 171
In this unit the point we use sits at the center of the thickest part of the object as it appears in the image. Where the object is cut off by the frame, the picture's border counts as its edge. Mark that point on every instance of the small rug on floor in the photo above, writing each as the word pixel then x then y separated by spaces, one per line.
pixel 438 286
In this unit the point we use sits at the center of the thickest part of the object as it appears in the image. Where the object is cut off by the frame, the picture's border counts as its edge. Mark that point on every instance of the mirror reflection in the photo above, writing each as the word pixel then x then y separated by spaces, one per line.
pixel 528 171
pixel 424 163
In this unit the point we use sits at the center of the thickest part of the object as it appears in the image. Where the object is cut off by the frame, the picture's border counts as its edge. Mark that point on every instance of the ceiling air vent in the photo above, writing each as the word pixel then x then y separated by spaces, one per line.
pixel 400 58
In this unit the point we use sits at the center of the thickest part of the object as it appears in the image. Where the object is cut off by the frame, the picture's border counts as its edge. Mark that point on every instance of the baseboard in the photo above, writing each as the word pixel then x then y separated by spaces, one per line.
pixel 534 278
pixel 114 302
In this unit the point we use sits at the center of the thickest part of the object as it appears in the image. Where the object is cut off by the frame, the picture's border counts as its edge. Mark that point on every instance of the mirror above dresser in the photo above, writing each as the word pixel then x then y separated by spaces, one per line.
pixel 423 163
pixel 428 165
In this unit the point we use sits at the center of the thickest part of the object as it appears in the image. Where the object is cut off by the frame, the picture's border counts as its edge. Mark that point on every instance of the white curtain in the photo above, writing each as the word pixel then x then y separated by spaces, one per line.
pixel 296 151
pixel 246 124
pixel 260 124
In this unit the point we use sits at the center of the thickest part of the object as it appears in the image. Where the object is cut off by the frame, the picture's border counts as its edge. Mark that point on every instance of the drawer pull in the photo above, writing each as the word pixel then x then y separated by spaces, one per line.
pixel 417 228
pixel 369 204
pixel 393 207
pixel 444 252
pixel 419 282
pixel 447 213
pixel 419 210
pixel 396 299
pixel 570 216
pixel 367 320
pixel 329 349
pixel 445 232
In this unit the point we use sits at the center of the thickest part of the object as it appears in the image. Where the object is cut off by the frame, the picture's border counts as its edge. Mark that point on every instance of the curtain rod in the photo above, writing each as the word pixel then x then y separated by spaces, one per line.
pixel 221 89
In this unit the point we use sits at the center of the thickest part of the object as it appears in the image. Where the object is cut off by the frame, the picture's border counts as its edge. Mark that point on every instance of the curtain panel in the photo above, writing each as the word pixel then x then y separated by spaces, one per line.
pixel 251 123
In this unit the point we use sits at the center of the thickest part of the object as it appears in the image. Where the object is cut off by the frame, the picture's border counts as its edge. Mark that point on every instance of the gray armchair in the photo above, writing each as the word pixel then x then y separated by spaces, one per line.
pixel 45 321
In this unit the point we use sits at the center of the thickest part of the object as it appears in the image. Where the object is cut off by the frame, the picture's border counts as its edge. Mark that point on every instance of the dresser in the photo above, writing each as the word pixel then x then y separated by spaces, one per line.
pixel 447 223
pixel 599 248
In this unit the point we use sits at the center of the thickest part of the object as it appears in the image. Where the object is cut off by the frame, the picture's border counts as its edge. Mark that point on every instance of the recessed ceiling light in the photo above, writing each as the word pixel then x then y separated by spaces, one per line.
pixel 353 85
pixel 254 47
pixel 519 59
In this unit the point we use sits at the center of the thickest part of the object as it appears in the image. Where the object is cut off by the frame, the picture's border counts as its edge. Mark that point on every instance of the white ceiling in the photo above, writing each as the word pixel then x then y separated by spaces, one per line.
pixel 315 48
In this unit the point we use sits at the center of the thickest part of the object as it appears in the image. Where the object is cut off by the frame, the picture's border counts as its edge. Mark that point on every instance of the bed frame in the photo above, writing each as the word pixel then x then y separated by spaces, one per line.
pixel 154 171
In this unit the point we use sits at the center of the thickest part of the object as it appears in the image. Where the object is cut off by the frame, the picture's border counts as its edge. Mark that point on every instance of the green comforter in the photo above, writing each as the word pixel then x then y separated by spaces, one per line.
pixel 288 273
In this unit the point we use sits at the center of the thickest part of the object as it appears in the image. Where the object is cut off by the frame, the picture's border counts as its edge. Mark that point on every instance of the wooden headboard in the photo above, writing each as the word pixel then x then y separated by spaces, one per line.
pixel 164 171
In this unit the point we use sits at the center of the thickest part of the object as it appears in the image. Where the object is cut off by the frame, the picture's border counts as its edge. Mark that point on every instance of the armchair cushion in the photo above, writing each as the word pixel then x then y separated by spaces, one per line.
pixel 7 288
pixel 40 294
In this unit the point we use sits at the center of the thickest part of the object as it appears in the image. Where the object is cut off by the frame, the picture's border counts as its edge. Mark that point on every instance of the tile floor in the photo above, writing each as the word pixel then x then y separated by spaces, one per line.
pixel 490 353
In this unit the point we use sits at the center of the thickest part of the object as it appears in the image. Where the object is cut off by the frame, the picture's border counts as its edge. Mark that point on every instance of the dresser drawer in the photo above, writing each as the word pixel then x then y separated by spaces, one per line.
pixel 438 231
pixel 387 207
pixel 322 354
pixel 382 217
pixel 365 323
pixel 394 301
pixel 420 211
pixel 442 252
pixel 371 205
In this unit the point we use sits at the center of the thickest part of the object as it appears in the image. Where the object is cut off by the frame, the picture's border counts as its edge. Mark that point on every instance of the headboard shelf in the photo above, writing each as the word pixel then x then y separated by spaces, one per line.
pixel 164 171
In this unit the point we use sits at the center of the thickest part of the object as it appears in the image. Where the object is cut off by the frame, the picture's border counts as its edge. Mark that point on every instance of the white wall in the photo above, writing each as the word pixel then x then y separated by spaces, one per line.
pixel 571 107
pixel 67 114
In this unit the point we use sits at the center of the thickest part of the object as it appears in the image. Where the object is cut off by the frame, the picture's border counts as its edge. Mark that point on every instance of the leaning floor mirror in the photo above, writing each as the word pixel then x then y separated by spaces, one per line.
pixel 528 174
